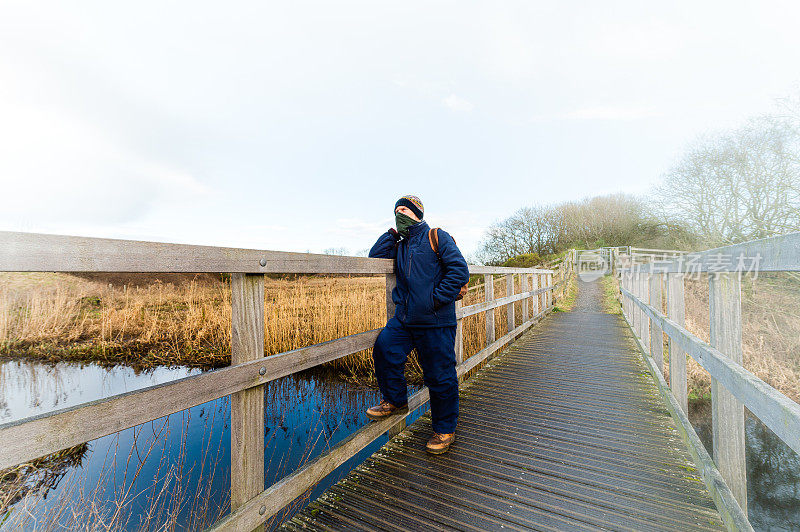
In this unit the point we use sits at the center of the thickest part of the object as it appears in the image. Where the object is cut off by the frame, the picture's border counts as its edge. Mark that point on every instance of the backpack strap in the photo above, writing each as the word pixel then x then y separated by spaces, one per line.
pixel 433 238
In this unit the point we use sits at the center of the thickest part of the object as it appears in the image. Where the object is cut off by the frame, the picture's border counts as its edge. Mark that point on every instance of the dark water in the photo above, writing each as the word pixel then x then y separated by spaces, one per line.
pixel 176 466
pixel 773 472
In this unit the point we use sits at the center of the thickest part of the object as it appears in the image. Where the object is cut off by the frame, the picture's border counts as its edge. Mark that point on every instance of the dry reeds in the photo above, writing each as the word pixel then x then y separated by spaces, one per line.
pixel 56 317
pixel 770 330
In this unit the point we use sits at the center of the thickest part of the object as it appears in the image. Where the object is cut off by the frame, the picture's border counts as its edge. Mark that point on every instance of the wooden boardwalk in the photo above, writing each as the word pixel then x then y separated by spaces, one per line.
pixel 565 430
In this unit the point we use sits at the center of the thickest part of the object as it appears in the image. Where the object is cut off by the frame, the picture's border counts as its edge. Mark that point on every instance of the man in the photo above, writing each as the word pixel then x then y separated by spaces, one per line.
pixel 424 317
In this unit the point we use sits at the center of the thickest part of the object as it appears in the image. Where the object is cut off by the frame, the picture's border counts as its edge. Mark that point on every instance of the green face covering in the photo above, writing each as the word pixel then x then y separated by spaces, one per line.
pixel 403 223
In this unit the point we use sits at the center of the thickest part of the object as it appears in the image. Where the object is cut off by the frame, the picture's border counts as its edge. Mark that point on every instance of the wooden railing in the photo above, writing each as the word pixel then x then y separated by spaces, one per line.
pixel 646 289
pixel 250 370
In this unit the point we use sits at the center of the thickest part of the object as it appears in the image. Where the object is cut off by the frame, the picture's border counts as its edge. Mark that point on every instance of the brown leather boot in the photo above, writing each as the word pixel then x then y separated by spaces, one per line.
pixel 440 443
pixel 385 409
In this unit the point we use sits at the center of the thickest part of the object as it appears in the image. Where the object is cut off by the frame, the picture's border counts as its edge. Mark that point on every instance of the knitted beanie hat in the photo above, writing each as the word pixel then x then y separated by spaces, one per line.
pixel 413 203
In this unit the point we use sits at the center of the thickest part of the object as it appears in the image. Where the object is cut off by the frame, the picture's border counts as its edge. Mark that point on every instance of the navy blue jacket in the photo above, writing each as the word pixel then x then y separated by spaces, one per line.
pixel 427 286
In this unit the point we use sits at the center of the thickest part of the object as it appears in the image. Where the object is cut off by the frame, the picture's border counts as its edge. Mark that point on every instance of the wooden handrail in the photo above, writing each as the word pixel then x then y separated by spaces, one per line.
pixel 499 302
pixel 34 252
pixel 773 254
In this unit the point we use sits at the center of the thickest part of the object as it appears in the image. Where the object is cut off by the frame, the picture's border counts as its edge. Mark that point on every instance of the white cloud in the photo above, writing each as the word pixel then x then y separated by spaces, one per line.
pixel 59 168
pixel 457 103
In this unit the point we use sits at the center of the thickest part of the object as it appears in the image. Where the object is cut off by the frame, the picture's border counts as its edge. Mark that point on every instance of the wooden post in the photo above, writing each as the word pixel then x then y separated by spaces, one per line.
pixel 727 413
pixel 622 297
pixel 634 310
pixel 629 285
pixel 247 406
pixel 488 288
pixel 391 282
pixel 612 257
pixel 656 334
pixel 677 357
pixel 510 307
pixel 537 307
pixel 549 297
pixel 543 295
pixel 524 280
pixel 623 281
pixel 645 287
pixel 631 307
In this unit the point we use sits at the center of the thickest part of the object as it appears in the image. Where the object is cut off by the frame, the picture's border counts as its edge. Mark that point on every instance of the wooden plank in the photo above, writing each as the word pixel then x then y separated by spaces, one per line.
pixel 656 334
pixel 33 252
pixel 36 436
pixel 637 316
pixel 677 357
pixel 489 296
pixel 645 291
pixel 775 410
pixel 37 252
pixel 525 287
pixel 475 269
pixel 510 320
pixel 495 303
pixel 773 254
pixel 549 295
pixel 661 251
pixel 391 282
pixel 732 515
pixel 626 283
pixel 727 413
pixel 247 406
pixel 272 500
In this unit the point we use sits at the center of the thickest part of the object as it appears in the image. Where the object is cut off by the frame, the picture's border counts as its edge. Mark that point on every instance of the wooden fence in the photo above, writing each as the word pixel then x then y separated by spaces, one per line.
pixel 652 298
pixel 250 370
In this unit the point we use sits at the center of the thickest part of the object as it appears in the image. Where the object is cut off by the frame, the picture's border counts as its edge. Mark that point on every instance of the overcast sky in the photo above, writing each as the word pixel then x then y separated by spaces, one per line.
pixel 296 125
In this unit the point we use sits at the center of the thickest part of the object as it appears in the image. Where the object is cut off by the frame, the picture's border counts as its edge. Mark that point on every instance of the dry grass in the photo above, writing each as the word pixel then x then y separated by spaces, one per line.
pixel 566 299
pixel 610 292
pixel 770 330
pixel 56 317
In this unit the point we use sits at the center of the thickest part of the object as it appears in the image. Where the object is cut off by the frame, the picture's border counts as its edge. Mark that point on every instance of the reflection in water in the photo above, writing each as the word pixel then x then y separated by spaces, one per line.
pixel 773 471
pixel 175 469
pixel 38 476
pixel 28 388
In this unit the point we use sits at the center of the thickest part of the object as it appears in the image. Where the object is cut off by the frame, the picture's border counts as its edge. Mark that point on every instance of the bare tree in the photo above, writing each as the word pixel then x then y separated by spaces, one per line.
pixel 737 186
pixel 336 251
pixel 615 219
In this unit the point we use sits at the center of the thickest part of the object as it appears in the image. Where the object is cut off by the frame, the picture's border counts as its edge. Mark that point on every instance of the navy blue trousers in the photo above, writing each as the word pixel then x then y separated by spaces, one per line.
pixel 437 356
